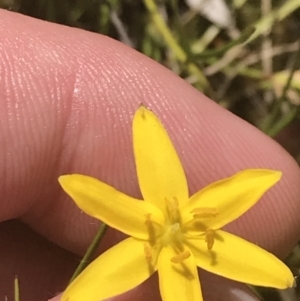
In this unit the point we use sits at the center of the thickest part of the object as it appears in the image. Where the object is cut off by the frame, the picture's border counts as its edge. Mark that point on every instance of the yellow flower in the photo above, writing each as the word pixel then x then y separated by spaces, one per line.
pixel 169 231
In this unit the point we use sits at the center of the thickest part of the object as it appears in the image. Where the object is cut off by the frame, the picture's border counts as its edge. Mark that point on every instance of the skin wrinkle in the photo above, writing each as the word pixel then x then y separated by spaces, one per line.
pixel 3 135
pixel 25 92
pixel 128 78
pixel 14 112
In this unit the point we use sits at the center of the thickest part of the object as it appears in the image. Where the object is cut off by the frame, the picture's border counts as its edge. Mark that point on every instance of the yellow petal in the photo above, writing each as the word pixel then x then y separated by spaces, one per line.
pixel 231 197
pixel 159 169
pixel 113 207
pixel 237 259
pixel 116 271
pixel 178 281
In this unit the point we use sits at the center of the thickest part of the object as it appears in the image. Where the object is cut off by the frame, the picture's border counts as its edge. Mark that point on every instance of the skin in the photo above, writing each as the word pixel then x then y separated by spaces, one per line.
pixel 67 98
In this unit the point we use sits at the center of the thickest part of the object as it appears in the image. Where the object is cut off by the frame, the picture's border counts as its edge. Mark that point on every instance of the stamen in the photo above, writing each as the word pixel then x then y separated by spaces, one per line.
pixel 205 212
pixel 151 229
pixel 181 256
pixel 170 205
pixel 173 210
pixel 209 238
pixel 147 251
pixel 148 221
pixel 176 202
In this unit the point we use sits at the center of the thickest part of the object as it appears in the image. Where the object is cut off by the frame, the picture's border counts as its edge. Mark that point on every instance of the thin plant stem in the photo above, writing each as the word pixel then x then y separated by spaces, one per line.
pixel 222 50
pixel 170 40
pixel 266 48
pixel 91 249
pixel 16 289
pixel 268 126
pixel 276 15
pixel 283 122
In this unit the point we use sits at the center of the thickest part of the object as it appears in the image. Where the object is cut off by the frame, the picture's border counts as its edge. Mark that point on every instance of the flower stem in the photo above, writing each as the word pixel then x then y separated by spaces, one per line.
pixel 93 246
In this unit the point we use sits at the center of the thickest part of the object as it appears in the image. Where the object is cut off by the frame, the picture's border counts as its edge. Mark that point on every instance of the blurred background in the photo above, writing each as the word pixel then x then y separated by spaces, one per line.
pixel 244 54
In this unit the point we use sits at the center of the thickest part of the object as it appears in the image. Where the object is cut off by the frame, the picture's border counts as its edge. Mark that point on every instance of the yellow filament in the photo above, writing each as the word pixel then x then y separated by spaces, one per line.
pixel 173 210
pixel 209 238
pixel 151 229
pixel 147 251
pixel 148 221
pixel 181 256
pixel 205 212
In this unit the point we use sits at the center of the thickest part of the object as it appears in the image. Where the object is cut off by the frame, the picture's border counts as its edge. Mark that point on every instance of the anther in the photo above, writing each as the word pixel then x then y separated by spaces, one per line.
pixel 205 212
pixel 209 238
pixel 147 251
pixel 176 202
pixel 173 209
pixel 151 229
pixel 169 204
pixel 181 256
pixel 148 221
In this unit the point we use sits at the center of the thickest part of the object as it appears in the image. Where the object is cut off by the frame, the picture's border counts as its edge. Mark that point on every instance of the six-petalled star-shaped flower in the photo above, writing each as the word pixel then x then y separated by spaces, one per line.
pixel 169 231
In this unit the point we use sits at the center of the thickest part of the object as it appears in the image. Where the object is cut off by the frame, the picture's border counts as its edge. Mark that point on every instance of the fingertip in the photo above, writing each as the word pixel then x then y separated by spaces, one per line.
pixel 56 298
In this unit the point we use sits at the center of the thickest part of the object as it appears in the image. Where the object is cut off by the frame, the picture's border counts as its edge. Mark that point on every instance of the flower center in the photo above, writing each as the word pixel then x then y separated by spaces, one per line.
pixel 172 234
pixel 175 227
pixel 172 228
pixel 173 231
